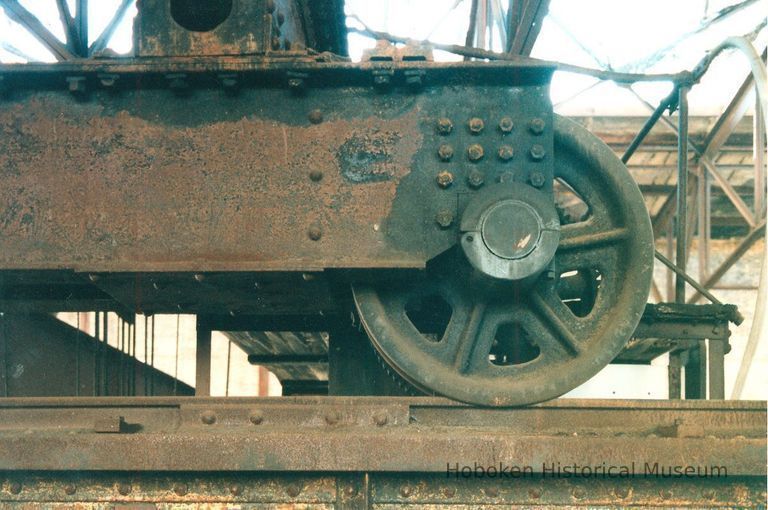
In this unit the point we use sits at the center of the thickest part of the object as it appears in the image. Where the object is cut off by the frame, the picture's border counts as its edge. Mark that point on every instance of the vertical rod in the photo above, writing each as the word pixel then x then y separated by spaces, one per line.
pixel 97 336
pixel 77 357
pixel 705 222
pixel 4 365
pixel 203 359
pixel 682 187
pixel 104 351
pixel 132 348
pixel 176 359
pixel 81 14
pixel 229 363
pixel 263 382
pixel 152 359
pixel 670 273
pixel 144 367
pixel 716 369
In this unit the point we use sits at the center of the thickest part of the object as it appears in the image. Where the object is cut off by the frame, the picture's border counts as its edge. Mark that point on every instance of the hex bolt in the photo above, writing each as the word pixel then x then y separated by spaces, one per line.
pixel 406 491
pixel 14 487
pixel 537 179
pixel 536 126
pixel 444 179
pixel 350 491
pixel 444 125
pixel 256 417
pixel 534 493
pixel 476 125
pixel 491 491
pixel 506 152
pixel 380 419
pixel 208 417
pixel 315 116
pixel 578 493
pixel 235 489
pixel 381 81
pixel 476 178
pixel 316 175
pixel 180 489
pixel 475 152
pixel 506 177
pixel 70 489
pixel 293 490
pixel 445 152
pixel 449 492
pixel 123 488
pixel 537 152
pixel 332 417
pixel 76 84
pixel 506 125
pixel 315 233
pixel 444 218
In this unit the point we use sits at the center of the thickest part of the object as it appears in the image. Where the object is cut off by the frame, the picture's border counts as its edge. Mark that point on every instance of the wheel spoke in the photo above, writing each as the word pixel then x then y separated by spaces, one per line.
pixel 466 336
pixel 579 238
pixel 556 324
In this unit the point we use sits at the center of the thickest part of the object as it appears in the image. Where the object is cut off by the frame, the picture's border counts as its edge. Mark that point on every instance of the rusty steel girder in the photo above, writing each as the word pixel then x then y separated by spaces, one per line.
pixel 242 164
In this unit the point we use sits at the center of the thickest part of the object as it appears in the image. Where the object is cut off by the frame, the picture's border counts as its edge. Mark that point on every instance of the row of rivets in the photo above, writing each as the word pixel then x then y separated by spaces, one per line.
pixel 475 152
pixel 476 125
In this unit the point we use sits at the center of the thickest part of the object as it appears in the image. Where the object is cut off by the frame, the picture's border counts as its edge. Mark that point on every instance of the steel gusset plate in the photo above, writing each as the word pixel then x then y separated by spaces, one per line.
pixel 565 346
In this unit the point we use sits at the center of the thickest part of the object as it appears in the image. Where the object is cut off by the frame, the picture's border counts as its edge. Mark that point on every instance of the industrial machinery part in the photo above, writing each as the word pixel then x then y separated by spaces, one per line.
pixel 497 254
pixel 380 453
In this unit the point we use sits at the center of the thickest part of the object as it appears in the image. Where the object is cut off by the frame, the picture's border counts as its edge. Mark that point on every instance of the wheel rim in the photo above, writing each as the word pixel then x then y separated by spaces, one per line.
pixel 511 344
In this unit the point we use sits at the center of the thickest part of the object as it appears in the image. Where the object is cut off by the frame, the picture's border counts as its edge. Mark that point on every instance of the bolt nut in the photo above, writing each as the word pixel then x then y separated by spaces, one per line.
pixel 491 491
pixel 70 489
pixel 180 489
pixel 14 487
pixel 444 179
pixel 208 417
pixel 315 232
pixel 316 176
pixel 256 417
pixel 315 116
pixel 475 152
pixel 578 493
pixel 506 125
pixel 293 490
pixel 444 218
pixel 537 152
pixel 235 489
pixel 449 492
pixel 444 125
pixel 445 152
pixel 476 125
pixel 405 491
pixel 350 491
pixel 536 126
pixel 621 492
pixel 506 177
pixel 476 178
pixel 534 493
pixel 506 152
pixel 124 489
pixel 380 419
pixel 537 179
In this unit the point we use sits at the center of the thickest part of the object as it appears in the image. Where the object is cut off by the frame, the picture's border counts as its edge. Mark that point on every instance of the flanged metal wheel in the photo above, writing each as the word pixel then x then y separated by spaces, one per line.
pixel 506 344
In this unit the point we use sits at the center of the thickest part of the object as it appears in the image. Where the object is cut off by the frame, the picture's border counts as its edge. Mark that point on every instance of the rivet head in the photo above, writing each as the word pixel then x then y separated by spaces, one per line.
pixel 476 178
pixel 476 125
pixel 256 417
pixel 14 487
pixel 537 152
pixel 180 489
pixel 332 417
pixel 536 126
pixel 491 491
pixel 449 492
pixel 350 491
pixel 444 125
pixel 534 493
pixel 578 493
pixel 405 491
pixel 293 490
pixel 621 492
pixel 199 277
pixel 315 232
pixel 506 125
pixel 444 179
pixel 70 489
pixel 380 419
pixel 123 489
pixel 506 152
pixel 445 152
pixel 444 218
pixel 316 175
pixel 235 489
pixel 537 179
pixel 208 417
pixel 315 116
pixel 475 152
